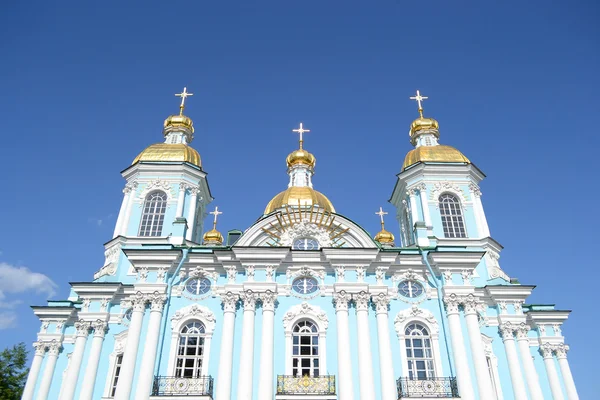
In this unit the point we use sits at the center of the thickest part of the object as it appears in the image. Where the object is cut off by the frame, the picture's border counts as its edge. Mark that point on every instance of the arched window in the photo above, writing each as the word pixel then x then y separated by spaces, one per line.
pixel 190 350
pixel 305 349
pixel 153 217
pixel 452 218
pixel 418 352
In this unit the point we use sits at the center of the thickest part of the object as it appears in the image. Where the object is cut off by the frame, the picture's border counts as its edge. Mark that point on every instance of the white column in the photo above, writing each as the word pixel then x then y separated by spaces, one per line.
pixel 425 205
pixel 191 218
pixel 463 372
pixel 565 370
pixel 70 382
pixel 89 379
pixel 53 350
pixel 345 384
pixel 547 349
pixel 265 380
pixel 484 381
pixel 226 355
pixel 34 371
pixel 121 216
pixel 138 303
pixel 181 200
pixel 244 389
pixel 365 358
pixel 507 330
pixel 533 383
pixel 386 365
pixel 413 207
pixel 125 222
pixel 146 376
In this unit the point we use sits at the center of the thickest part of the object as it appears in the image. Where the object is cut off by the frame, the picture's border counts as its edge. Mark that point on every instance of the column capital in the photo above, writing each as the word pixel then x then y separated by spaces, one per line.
pixel 131 186
pixel 341 300
pixel 138 302
pixel 184 186
pixel 471 303
pixel 40 348
pixel 54 347
pixel 157 301
pixel 412 191
pixel 522 331
pixel 194 190
pixel 230 301
pixel 361 300
pixel 99 327
pixel 507 330
pixel 268 299
pixel 82 328
pixel 452 302
pixel 421 186
pixel 546 349
pixel 561 350
pixel 249 298
pixel 475 189
pixel 382 302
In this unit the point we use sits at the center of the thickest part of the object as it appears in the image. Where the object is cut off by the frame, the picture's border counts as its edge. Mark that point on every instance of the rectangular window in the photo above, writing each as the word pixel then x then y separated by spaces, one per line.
pixel 116 373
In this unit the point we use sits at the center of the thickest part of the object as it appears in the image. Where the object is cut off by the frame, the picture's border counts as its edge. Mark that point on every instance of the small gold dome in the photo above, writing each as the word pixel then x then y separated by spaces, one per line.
pixel 213 237
pixel 423 124
pixel 170 152
pixel 439 153
pixel 301 156
pixel 306 195
pixel 176 121
pixel 384 237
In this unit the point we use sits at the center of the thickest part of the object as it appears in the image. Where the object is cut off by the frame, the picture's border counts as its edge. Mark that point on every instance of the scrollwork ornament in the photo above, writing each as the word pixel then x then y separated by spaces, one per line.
pixel 138 302
pixel 54 347
pixel 561 350
pixel 249 298
pixel 470 304
pixel 230 301
pixel 130 187
pixel 452 302
pixel 381 302
pixel 341 300
pixel 268 299
pixel 99 327
pixel 82 328
pixel 546 349
pixel 40 348
pixel 507 331
pixel 361 300
pixel 522 331
pixel 157 301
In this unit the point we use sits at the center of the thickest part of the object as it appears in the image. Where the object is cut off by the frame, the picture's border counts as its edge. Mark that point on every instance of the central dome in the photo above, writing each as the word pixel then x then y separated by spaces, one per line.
pixel 439 153
pixel 165 152
pixel 305 195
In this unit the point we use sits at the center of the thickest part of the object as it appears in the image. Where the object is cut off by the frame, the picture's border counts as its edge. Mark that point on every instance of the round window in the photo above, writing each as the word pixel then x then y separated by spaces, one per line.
pixel 198 285
pixel 410 289
pixel 305 285
pixel 306 244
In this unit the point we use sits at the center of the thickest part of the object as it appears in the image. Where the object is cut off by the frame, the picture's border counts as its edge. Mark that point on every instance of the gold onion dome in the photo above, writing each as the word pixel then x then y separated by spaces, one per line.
pixel 303 195
pixel 178 121
pixel 384 237
pixel 422 125
pixel 213 236
pixel 301 156
pixel 167 152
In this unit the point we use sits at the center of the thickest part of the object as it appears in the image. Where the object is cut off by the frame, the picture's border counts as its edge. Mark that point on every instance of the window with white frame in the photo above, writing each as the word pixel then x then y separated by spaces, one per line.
pixel 190 350
pixel 153 214
pixel 116 373
pixel 305 349
pixel 452 217
pixel 419 352
pixel 490 366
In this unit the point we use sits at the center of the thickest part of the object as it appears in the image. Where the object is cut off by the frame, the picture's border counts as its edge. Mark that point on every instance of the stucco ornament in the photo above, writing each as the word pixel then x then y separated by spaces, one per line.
pixel 193 311
pixel 156 184
pixel 231 274
pixel 269 300
pixel 305 229
pixel 381 302
pixel 447 187
pixel 380 275
pixel 230 301
pixel 415 313
pixel 305 310
pixel 199 272
pixel 493 266
pixel 111 258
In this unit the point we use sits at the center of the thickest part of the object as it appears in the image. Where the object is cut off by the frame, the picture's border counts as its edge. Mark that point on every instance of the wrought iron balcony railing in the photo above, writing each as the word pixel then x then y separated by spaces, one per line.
pixel 431 387
pixel 182 386
pixel 289 384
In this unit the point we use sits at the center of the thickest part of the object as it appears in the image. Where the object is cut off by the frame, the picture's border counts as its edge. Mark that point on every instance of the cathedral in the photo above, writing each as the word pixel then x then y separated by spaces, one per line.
pixel 304 304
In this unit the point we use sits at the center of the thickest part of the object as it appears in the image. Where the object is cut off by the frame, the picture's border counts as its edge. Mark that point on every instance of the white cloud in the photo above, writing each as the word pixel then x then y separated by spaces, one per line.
pixel 14 281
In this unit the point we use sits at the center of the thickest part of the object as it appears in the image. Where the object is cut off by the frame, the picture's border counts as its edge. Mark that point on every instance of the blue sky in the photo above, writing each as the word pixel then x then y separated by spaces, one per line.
pixel 86 85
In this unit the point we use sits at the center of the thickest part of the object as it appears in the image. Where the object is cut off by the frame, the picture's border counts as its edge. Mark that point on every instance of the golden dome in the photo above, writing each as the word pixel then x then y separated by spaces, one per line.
pixel 301 156
pixel 213 237
pixel 176 121
pixel 306 195
pixel 439 153
pixel 384 237
pixel 424 124
pixel 170 152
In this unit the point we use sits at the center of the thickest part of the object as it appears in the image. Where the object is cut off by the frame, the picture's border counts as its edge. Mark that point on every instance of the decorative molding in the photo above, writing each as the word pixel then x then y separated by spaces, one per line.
pixel 270 272
pixel 360 274
pixel 502 307
pixel 341 300
pixel 100 327
pixel 415 313
pixel 493 266
pixel 54 347
pixel 556 329
pixel 157 301
pixel 249 299
pixel 161 275
pixel 507 331
pixel 305 228
pixel 82 328
pixel 193 311
pixel 452 302
pixel 85 304
pixel 381 303
pixel 361 301
pixel 518 305
pixel 305 310
pixel 138 302
pixel 522 331
pixel 380 275
pixel 156 184
pixel 142 274
pixel 441 187
pixel 231 274
pixel 340 273
pixel 471 304
pixel 40 348
pixel 467 277
pixel 199 272
pixel 111 258
pixel 473 188
pixel 230 301
pixel 268 299
pixel 250 270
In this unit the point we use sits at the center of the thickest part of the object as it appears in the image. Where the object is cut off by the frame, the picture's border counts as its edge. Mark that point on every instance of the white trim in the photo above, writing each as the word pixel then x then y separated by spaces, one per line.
pixel 427 319
pixel 319 317
pixel 182 317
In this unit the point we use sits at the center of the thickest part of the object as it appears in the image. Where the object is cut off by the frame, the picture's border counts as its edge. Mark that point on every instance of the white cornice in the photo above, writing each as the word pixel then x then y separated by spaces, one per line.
pixel 509 292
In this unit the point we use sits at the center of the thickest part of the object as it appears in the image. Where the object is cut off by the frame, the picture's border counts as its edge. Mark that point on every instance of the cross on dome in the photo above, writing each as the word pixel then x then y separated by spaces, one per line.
pixel 183 96
pixel 301 130
pixel 216 213
pixel 381 213
pixel 418 98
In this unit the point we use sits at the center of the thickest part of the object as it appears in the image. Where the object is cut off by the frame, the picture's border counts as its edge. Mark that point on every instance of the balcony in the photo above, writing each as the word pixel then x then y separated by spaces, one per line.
pixel 176 387
pixel 431 388
pixel 306 387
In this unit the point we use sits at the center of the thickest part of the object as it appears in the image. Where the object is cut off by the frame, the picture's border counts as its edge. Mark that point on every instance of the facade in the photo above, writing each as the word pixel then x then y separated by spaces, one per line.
pixel 304 304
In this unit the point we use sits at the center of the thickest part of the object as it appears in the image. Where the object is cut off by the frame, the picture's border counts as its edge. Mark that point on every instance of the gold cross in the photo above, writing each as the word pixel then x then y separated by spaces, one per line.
pixel 216 213
pixel 301 130
pixel 419 99
pixel 183 96
pixel 381 213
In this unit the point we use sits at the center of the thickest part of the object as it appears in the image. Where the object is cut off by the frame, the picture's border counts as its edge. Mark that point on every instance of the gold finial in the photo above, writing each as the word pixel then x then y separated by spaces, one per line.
pixel 216 213
pixel 419 99
pixel 381 213
pixel 183 96
pixel 301 130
